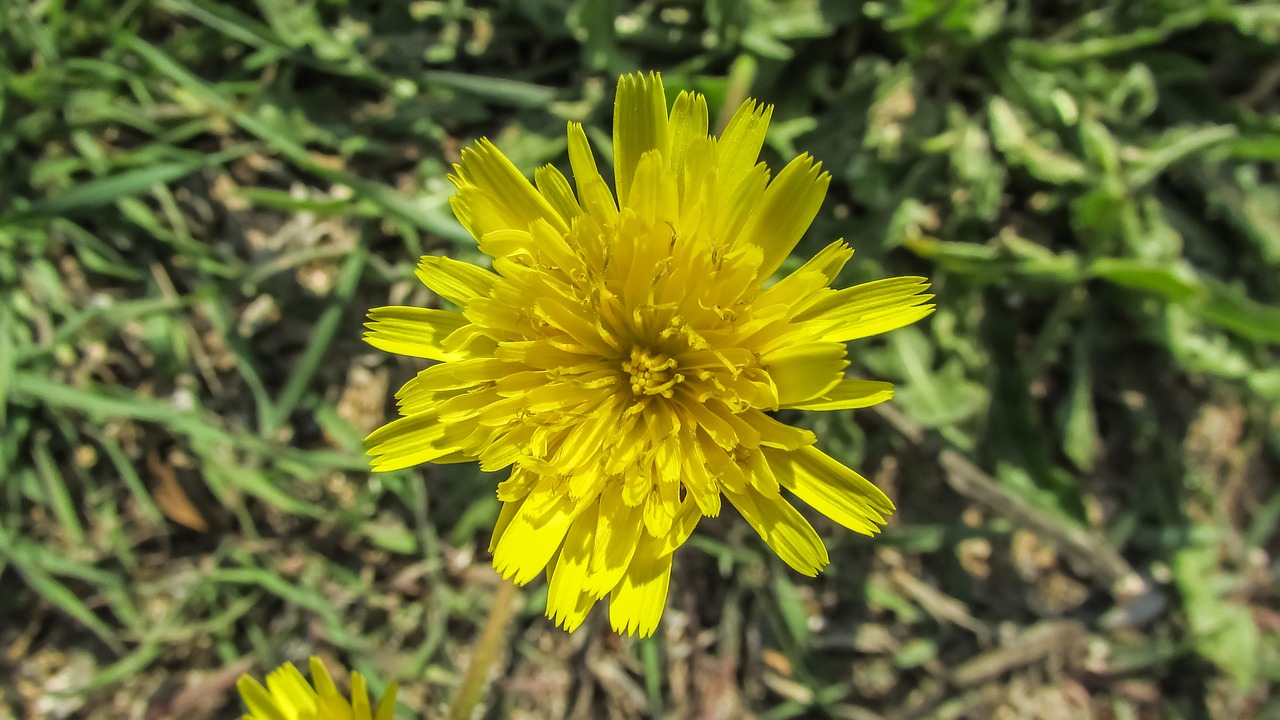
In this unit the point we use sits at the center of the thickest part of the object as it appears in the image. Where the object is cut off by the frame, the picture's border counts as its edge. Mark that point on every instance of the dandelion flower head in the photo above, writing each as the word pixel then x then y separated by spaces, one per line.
pixel 625 353
pixel 288 696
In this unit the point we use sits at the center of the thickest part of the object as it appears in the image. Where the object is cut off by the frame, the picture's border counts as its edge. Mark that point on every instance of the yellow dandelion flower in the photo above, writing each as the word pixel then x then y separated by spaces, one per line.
pixel 625 352
pixel 288 696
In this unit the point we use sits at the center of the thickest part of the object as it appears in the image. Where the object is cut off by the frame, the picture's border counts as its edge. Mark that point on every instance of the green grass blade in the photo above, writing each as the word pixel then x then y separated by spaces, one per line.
pixel 321 337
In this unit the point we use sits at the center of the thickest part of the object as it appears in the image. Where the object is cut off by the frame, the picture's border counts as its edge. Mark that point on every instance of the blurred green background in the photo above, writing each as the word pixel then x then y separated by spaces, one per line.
pixel 200 199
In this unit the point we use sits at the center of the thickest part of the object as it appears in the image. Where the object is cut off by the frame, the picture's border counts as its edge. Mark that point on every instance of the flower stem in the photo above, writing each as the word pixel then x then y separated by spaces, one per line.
pixel 486 651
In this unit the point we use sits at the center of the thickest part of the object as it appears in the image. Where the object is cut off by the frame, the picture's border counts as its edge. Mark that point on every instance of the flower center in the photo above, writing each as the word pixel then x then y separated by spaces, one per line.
pixel 651 373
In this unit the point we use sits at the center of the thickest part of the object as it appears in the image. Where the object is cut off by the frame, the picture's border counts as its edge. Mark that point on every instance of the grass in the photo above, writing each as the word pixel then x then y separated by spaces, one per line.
pixel 198 201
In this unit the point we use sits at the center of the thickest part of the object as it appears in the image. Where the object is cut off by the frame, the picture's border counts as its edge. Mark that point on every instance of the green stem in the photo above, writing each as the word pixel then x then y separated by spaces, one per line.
pixel 486 651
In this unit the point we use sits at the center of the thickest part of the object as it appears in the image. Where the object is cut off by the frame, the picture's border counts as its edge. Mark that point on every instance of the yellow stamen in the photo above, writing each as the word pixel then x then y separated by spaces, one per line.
pixel 651 373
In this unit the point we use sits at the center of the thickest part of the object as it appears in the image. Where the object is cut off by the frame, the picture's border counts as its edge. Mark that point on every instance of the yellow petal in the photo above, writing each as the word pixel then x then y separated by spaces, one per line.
pixel 510 199
pixel 517 485
pixel 636 604
pixel 584 441
pixel 412 331
pixel 879 322
pixel 807 285
pixel 617 533
pixel 258 699
pixel 831 488
pixel 505 448
pixel 761 476
pixel 739 207
pixel 506 245
pixel 567 601
pixel 330 703
pixel 566 316
pixel 411 440
pixel 466 406
pixel 639 126
pixel 723 469
pixel 505 516
pixel 701 486
pixel 593 192
pixel 795 292
pixel 784 529
pixel 739 145
pixel 688 129
pixel 659 512
pixel 387 705
pixel 291 690
pixel 887 292
pixel 321 679
pixel 687 517
pixel 470 341
pixel 871 308
pixel 449 377
pixel 360 709
pixel 534 534
pixel 712 419
pixel 455 281
pixel 654 199
pixel 849 394
pixel 556 189
pixel 803 372
pixel 637 477
pixel 333 706
pixel 552 249
pixel 829 261
pixel 452 405
pixel 785 211
pixel 776 434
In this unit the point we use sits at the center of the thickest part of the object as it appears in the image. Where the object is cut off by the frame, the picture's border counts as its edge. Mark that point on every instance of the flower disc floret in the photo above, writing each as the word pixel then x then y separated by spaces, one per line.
pixel 651 374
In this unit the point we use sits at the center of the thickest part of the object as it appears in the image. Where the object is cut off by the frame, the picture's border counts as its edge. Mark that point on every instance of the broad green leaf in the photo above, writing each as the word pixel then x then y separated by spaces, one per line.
pixel 1223 631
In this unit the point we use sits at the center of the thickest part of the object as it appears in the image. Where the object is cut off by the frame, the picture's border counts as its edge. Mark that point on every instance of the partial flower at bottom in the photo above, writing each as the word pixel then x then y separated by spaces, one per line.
pixel 288 696
pixel 625 353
